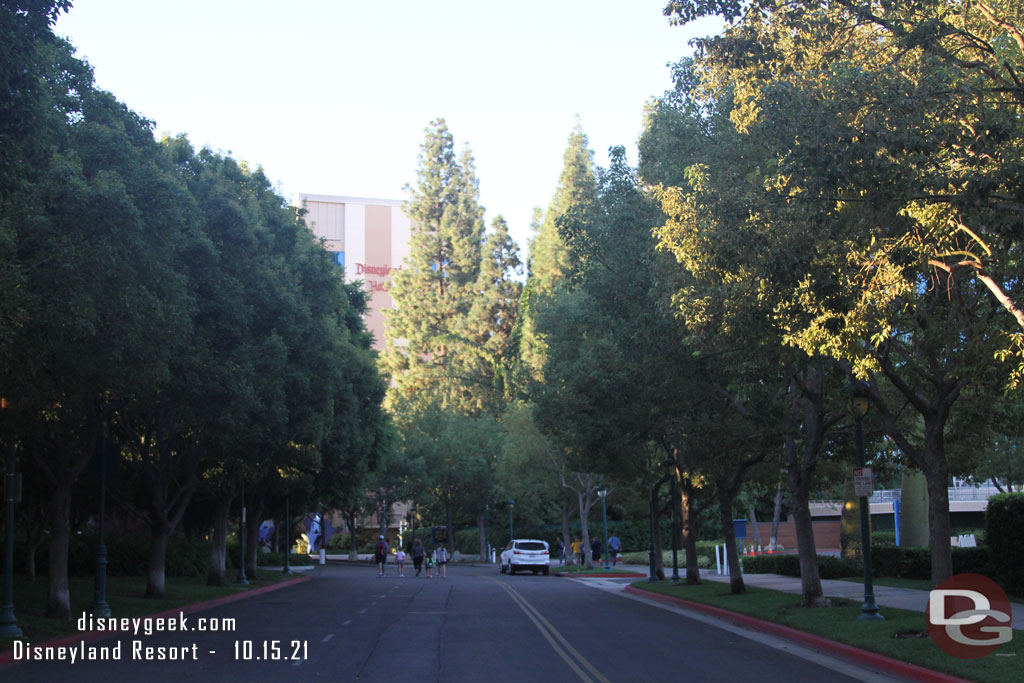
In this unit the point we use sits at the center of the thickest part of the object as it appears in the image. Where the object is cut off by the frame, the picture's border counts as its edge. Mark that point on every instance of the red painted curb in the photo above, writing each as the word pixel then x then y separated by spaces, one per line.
pixel 63 641
pixel 849 652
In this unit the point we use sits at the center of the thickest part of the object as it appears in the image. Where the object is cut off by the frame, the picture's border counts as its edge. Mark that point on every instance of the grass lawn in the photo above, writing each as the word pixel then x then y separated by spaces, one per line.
pixel 839 623
pixel 123 595
pixel 576 569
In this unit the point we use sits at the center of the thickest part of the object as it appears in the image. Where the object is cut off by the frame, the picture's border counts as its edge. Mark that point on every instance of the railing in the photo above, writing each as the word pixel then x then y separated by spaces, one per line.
pixel 958 493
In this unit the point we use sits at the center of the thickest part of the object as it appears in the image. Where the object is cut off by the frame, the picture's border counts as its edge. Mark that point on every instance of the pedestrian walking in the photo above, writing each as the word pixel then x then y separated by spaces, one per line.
pixel 400 561
pixel 560 550
pixel 418 553
pixel 380 555
pixel 577 549
pixel 429 564
pixel 595 549
pixel 441 557
pixel 614 545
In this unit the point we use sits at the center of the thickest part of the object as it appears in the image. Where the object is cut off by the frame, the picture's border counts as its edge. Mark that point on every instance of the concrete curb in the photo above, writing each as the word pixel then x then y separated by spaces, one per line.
pixel 75 638
pixel 848 652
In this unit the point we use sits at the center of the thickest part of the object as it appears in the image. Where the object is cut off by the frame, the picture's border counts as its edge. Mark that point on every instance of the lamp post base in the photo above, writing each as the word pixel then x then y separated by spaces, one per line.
pixel 9 625
pixel 869 611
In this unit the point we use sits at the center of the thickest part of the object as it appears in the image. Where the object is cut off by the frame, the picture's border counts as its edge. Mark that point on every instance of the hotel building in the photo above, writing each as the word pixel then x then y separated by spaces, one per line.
pixel 369 238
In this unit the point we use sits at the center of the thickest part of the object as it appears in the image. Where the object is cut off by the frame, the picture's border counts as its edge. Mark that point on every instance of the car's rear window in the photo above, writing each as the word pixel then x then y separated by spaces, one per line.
pixel 531 545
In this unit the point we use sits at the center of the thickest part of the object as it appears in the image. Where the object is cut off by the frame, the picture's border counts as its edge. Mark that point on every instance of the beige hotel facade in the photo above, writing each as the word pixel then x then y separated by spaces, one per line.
pixel 369 238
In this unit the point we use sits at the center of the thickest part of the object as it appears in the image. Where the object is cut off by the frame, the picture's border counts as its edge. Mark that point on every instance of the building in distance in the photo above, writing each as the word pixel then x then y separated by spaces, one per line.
pixel 369 238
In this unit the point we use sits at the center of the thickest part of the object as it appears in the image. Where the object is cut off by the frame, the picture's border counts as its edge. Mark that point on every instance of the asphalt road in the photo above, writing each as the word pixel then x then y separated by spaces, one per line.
pixel 476 625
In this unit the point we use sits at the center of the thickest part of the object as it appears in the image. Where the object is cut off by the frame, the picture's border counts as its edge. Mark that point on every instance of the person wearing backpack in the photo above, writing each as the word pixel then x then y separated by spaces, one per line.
pixel 380 555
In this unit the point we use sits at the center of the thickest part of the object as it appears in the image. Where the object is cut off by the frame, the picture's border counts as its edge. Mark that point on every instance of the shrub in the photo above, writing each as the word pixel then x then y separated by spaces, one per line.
pixel 786 565
pixel 789 565
pixel 971 561
pixel 1004 529
pixel 901 563
pixel 836 568
pixel 127 555
pixel 883 538
pixel 277 560
pixel 467 541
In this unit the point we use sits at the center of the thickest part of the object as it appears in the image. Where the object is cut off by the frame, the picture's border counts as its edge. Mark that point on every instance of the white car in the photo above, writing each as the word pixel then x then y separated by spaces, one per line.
pixel 526 553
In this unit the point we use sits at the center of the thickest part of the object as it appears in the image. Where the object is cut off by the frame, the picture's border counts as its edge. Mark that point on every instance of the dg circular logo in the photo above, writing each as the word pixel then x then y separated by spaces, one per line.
pixel 969 616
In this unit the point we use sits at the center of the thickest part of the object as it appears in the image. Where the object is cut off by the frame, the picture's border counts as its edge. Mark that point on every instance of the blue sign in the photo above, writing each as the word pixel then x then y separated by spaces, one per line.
pixel 739 528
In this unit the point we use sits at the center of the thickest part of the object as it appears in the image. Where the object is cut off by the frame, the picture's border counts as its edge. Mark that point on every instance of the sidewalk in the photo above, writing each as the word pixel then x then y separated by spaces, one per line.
pixel 885 596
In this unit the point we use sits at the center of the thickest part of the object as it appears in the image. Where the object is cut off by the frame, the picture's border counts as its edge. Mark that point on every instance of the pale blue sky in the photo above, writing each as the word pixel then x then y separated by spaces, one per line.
pixel 332 97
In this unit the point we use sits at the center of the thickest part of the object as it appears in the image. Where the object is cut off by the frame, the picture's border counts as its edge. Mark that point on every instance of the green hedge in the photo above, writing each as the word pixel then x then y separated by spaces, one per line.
pixel 901 563
pixel 890 562
pixel 126 555
pixel 1004 529
pixel 789 565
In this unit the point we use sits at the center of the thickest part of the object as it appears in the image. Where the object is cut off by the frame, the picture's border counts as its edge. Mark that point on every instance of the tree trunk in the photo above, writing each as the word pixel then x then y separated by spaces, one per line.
pixel 58 599
pixel 33 536
pixel 449 520
pixel 566 536
pixel 156 572
pixel 354 550
pixel 659 559
pixel 481 519
pixel 252 537
pixel 810 576
pixel 691 528
pixel 217 575
pixel 588 557
pixel 937 476
pixel 725 500
pixel 776 518
pixel 756 538
pixel 30 560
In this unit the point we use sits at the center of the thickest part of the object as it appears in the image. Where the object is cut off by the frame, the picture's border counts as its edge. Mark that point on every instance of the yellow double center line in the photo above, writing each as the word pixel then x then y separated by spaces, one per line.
pixel 558 643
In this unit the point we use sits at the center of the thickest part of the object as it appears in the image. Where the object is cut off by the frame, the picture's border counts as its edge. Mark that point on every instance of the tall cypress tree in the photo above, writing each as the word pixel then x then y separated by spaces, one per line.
pixel 434 292
pixel 492 319
pixel 550 262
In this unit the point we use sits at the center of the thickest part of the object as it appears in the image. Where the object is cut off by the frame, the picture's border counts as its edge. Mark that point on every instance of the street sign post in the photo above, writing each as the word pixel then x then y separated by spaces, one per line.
pixel 862 484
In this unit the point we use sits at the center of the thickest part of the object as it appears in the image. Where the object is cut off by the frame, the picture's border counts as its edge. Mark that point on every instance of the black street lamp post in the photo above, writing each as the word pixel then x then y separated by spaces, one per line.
pixel 859 405
pixel 8 622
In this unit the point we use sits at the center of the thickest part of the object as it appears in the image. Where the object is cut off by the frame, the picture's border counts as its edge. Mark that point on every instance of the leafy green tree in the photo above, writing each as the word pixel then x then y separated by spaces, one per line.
pixel 843 164
pixel 457 453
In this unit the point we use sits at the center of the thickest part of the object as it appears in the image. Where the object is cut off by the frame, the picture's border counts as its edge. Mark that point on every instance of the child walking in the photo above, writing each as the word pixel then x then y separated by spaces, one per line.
pixel 400 561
